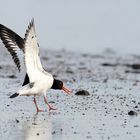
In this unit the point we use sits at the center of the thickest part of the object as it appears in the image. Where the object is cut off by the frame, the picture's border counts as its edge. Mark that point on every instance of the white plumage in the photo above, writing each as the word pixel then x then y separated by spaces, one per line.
pixel 39 80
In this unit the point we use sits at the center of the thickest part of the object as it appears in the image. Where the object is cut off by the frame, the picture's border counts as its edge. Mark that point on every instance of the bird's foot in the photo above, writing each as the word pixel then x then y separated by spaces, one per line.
pixel 39 110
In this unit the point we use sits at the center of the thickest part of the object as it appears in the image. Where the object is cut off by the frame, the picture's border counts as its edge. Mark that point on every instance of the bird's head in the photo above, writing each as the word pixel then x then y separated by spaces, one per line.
pixel 57 84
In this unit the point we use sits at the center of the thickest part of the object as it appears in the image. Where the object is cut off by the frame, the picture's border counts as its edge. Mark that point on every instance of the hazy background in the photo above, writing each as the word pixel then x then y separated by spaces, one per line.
pixel 78 25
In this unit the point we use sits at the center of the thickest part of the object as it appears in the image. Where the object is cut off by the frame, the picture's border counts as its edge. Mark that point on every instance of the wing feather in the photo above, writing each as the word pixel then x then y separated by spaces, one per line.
pixel 32 60
pixel 12 42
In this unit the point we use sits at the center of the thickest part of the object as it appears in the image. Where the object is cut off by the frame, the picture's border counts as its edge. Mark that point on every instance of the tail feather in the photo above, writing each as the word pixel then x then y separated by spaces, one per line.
pixel 14 95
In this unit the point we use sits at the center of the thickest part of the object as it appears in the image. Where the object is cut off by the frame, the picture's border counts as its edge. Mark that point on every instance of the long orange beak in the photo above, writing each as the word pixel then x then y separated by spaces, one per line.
pixel 66 90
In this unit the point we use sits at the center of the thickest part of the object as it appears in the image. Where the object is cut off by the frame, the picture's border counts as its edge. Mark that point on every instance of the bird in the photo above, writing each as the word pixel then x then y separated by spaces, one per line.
pixel 37 80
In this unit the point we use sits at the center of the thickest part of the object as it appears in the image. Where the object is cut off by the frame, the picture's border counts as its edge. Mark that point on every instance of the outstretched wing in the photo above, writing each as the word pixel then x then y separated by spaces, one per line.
pixel 31 49
pixel 12 42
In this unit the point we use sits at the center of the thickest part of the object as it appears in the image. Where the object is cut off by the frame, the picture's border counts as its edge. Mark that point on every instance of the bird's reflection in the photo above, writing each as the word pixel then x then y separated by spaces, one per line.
pixel 39 128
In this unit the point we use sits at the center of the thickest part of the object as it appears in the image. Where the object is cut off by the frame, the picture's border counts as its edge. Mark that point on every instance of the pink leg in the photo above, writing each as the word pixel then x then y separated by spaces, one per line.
pixel 50 106
pixel 37 109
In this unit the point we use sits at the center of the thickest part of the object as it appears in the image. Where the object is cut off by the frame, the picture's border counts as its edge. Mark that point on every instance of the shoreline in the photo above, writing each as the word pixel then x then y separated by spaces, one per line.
pixel 112 81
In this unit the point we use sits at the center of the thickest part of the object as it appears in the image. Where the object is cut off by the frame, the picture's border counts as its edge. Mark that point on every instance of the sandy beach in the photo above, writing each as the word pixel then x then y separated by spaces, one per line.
pixel 113 82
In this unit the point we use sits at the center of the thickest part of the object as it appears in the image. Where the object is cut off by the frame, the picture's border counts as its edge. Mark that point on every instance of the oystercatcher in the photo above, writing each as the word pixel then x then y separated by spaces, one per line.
pixel 37 81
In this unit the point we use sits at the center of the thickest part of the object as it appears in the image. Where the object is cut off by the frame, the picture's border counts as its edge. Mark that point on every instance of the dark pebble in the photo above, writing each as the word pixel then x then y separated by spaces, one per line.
pixel 75 132
pixel 53 132
pixel 132 71
pixel 52 102
pixel 136 106
pixel 37 134
pixel 109 65
pixel 17 121
pixel 11 76
pixel 69 71
pixel 82 92
pixel 134 66
pixel 131 113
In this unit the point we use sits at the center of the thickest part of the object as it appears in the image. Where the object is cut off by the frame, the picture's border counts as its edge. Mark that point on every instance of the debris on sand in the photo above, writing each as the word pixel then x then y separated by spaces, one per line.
pixel 11 76
pixel 134 71
pixel 133 66
pixel 132 113
pixel 109 65
pixel 17 120
pixel 82 92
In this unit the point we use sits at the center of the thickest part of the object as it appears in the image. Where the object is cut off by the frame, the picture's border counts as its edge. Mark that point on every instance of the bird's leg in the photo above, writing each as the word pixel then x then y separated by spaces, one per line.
pixel 50 106
pixel 37 109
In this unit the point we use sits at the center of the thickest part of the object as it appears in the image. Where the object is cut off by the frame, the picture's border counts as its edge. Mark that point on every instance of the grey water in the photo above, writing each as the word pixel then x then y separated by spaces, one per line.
pixel 89 26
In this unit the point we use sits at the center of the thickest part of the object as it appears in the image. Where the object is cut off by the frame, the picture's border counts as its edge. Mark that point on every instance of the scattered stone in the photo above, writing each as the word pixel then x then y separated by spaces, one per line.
pixel 75 132
pixel 52 102
pixel 37 134
pixel 136 106
pixel 132 71
pixel 85 55
pixel 34 123
pixel 11 76
pixel 109 65
pixel 133 66
pixel 132 113
pixel 89 137
pixel 82 92
pixel 69 71
pixel 17 121
pixel 53 132
pixel 105 80
pixel 45 58
pixel 136 126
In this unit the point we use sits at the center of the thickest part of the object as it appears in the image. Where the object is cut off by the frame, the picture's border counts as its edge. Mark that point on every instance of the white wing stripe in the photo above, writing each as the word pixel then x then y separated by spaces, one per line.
pixel 32 60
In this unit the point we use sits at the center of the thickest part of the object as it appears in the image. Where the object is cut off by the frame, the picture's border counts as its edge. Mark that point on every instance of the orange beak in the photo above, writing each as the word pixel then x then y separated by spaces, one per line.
pixel 66 90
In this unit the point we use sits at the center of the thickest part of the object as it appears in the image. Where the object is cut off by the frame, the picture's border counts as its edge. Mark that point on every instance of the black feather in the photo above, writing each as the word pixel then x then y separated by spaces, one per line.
pixel 14 95
pixel 26 80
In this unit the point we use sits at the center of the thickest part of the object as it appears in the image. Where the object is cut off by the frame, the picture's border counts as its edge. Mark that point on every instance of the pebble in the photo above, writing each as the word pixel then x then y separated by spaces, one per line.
pixel 132 113
pixel 17 121
pixel 82 92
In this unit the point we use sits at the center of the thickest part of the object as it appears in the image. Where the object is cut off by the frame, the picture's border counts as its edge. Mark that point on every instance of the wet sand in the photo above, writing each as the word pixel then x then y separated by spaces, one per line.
pixel 113 82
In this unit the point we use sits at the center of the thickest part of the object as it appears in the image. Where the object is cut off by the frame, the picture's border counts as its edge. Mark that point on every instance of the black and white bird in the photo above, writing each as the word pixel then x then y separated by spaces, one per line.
pixel 37 81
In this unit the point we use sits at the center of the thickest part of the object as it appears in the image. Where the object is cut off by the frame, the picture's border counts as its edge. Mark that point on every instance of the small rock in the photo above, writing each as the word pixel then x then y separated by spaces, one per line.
pixel 109 65
pixel 82 92
pixel 75 132
pixel 69 71
pixel 53 132
pixel 131 113
pixel 37 134
pixel 17 121
pixel 133 66
pixel 11 76
pixel 52 102
pixel 136 126
pixel 136 106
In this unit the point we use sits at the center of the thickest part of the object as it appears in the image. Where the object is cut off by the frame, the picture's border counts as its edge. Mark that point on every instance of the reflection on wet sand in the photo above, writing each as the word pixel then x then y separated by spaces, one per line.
pixel 38 129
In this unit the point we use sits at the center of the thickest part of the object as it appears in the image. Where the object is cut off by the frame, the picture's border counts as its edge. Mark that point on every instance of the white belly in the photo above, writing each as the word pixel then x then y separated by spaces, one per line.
pixel 37 88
